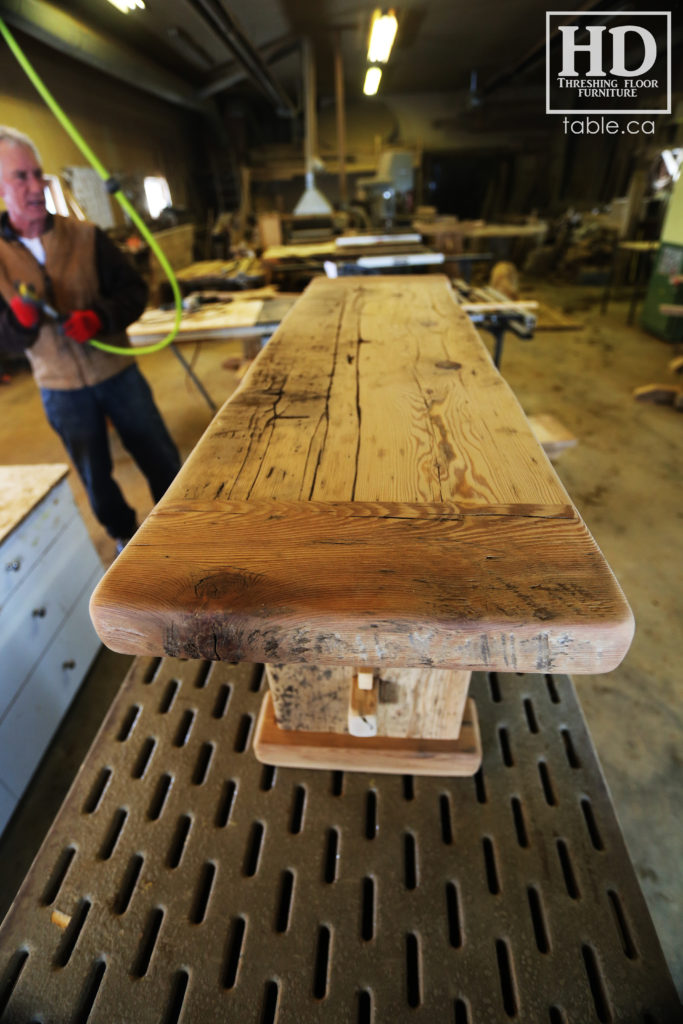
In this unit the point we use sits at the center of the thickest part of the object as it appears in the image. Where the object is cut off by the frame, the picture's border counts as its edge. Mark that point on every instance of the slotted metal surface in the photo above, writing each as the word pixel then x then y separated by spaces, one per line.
pixel 202 886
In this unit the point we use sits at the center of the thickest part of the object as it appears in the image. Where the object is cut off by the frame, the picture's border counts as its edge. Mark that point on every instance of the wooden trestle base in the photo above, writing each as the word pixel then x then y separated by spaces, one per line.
pixel 404 721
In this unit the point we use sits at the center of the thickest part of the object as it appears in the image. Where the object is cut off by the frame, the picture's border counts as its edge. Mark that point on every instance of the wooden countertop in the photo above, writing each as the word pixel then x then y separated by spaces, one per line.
pixel 371 495
pixel 21 488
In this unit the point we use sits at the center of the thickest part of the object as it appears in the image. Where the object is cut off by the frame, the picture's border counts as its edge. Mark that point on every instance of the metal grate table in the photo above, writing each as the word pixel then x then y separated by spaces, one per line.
pixel 182 881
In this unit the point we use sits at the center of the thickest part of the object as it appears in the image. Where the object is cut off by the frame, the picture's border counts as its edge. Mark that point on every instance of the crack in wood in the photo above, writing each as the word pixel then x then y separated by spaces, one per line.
pixel 325 415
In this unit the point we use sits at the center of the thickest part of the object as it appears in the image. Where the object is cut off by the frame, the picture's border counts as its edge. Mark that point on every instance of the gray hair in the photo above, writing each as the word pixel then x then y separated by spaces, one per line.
pixel 17 138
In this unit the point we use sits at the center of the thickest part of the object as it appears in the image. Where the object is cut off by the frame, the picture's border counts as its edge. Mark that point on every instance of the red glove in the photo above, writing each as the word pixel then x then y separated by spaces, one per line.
pixel 26 312
pixel 82 325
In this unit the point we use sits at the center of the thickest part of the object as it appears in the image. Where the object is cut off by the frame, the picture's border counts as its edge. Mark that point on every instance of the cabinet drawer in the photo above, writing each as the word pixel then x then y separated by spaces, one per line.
pixel 37 608
pixel 35 714
pixel 24 547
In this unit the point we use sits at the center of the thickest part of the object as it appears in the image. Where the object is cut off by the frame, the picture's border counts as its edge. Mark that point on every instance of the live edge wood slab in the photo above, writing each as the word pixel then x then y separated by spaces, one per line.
pixel 370 497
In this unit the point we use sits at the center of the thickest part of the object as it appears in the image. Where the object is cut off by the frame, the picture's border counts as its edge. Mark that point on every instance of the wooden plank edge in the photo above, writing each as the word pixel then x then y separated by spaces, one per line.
pixel 141 624
pixel 386 755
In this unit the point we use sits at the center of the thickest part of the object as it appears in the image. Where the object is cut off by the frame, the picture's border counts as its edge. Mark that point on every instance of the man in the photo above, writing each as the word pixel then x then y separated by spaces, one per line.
pixel 73 268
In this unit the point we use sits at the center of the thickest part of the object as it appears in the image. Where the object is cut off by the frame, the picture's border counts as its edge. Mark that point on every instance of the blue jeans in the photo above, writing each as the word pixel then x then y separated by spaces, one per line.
pixel 80 419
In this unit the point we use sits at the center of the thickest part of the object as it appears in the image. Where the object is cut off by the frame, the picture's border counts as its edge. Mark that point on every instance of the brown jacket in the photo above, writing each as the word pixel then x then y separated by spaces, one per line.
pixel 70 279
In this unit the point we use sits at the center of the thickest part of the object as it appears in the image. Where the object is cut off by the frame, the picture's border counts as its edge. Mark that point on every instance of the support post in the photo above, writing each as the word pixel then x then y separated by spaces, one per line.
pixel 411 720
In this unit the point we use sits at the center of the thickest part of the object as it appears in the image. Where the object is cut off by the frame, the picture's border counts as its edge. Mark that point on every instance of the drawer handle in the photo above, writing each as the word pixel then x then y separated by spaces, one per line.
pixel 13 566
pixel 39 613
pixel 68 664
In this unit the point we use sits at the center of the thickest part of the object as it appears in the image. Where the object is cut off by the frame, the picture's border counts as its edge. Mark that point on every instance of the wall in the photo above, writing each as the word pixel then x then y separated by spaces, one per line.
pixel 129 131
pixel 540 168
pixel 430 122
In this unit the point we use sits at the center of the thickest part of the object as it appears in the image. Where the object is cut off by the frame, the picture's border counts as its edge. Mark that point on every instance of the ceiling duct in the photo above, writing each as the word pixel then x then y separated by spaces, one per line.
pixel 312 202
pixel 230 75
pixel 220 22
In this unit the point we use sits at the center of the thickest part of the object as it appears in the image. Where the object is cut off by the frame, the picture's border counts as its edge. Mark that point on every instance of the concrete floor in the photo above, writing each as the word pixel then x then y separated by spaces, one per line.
pixel 624 476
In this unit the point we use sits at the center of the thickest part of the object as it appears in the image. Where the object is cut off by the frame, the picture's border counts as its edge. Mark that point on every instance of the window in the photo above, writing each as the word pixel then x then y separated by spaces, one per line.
pixel 55 200
pixel 158 195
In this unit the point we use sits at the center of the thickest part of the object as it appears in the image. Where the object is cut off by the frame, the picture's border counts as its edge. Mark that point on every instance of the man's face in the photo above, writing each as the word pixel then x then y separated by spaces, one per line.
pixel 23 189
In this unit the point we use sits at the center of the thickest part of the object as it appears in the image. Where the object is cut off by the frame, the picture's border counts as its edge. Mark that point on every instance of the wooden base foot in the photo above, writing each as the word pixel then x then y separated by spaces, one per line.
pixel 397 702
pixel 388 754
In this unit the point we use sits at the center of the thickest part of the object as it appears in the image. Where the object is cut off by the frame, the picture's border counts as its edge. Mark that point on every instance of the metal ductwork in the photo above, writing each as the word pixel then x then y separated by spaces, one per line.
pixel 312 202
pixel 236 71
pixel 227 30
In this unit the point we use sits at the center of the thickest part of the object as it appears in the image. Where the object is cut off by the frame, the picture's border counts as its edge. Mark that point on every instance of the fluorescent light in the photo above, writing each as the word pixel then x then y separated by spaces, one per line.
pixel 382 33
pixel 371 84
pixel 127 5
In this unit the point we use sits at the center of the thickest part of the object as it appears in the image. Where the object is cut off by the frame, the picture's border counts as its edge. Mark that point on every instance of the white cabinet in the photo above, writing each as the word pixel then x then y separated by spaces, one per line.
pixel 48 569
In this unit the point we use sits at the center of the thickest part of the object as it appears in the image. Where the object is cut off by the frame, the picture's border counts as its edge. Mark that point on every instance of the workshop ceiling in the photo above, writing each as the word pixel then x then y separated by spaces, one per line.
pixel 439 42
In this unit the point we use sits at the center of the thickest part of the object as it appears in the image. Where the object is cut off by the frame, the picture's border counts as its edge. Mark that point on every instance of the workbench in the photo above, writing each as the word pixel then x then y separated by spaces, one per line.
pixel 452 236
pixel 371 516
pixel 251 315
pixel 357 254
pixel 240 315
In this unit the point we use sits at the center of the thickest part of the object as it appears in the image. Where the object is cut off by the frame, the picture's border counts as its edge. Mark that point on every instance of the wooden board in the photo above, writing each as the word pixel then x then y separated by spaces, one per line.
pixel 214 320
pixel 659 394
pixel 507 305
pixel 220 268
pixel 332 250
pixel 479 229
pixel 548 318
pixel 303 251
pixel 537 229
pixel 398 756
pixel 551 434
pixel 371 495
pixel 21 488
pixel 639 245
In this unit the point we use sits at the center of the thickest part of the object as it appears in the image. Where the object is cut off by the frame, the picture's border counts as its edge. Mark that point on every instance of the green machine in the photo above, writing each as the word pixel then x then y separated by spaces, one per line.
pixel 668 264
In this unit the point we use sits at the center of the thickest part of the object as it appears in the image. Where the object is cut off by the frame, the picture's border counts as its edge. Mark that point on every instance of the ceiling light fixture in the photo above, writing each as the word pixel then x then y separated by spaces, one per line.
pixel 371 84
pixel 127 5
pixel 382 33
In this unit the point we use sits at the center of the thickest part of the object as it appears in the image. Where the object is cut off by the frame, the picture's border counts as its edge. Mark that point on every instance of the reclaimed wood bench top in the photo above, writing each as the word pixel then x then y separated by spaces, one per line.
pixel 371 495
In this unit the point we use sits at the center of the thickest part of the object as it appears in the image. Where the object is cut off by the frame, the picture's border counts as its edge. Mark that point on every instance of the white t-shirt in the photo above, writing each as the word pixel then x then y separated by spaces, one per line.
pixel 35 246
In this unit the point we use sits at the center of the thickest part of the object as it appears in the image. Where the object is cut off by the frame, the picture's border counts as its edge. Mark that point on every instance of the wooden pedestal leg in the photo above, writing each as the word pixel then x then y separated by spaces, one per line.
pixel 403 721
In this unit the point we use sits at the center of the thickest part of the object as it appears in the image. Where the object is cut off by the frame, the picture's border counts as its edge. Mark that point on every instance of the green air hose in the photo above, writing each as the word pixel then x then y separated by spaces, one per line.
pixel 113 187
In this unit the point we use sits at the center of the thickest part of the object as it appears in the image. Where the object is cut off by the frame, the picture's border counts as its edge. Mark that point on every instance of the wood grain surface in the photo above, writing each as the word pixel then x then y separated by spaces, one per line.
pixel 371 495
pixel 411 702
pixel 22 487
